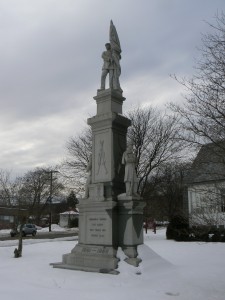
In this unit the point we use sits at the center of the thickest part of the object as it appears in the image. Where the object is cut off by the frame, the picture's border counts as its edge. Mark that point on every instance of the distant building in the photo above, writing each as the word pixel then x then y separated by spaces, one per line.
pixel 10 216
pixel 68 218
pixel 206 187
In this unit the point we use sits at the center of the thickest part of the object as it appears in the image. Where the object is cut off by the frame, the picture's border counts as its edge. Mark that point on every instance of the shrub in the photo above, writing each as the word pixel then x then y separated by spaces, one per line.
pixel 216 237
pixel 178 229
pixel 222 238
pixel 201 233
pixel 73 223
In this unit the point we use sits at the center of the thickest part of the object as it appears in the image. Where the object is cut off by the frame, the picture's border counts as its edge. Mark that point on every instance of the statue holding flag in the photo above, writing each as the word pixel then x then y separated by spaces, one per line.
pixel 111 58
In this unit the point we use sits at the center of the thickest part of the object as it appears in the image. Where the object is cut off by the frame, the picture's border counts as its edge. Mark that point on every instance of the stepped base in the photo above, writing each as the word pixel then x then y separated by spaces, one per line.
pixel 90 258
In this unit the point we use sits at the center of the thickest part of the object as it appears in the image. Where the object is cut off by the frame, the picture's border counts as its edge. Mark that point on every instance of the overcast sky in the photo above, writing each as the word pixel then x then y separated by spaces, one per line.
pixel 50 65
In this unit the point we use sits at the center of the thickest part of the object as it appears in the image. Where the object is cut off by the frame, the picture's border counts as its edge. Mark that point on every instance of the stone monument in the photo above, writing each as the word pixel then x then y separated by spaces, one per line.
pixel 111 214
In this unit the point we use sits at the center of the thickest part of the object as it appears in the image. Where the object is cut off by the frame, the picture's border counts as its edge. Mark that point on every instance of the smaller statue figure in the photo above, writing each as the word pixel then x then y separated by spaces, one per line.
pixel 130 177
pixel 88 181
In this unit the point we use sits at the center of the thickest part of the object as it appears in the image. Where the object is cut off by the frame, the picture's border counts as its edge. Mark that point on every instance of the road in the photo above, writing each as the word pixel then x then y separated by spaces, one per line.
pixel 42 235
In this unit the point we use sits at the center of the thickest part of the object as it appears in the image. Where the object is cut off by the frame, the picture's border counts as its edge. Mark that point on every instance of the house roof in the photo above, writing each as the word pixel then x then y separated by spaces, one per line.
pixel 209 164
pixel 70 212
pixel 13 211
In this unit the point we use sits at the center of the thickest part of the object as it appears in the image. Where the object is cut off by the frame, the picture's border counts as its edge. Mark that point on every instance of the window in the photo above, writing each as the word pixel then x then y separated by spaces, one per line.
pixel 223 203
pixel 7 218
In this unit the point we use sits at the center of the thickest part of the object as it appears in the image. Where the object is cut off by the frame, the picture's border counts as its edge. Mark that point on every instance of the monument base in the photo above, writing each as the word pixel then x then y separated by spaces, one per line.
pixel 90 258
pixel 98 238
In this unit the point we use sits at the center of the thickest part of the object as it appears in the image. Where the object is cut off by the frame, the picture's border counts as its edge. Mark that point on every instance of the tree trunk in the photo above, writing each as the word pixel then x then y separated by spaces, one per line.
pixel 18 251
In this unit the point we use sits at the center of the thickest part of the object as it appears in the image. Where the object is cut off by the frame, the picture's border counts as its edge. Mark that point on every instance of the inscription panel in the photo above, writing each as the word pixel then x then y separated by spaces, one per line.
pixel 98 230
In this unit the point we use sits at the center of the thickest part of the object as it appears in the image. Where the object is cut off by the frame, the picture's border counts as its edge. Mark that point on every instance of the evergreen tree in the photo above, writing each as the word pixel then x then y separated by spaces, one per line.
pixel 72 200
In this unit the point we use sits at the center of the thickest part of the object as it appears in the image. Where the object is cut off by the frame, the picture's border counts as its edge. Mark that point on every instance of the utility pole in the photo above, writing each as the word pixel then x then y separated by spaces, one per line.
pixel 50 197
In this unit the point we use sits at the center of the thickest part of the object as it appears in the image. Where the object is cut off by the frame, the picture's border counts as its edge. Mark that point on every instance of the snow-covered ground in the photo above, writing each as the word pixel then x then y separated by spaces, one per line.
pixel 170 270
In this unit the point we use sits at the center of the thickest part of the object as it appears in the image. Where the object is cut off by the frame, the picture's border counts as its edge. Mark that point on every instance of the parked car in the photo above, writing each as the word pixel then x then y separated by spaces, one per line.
pixel 26 230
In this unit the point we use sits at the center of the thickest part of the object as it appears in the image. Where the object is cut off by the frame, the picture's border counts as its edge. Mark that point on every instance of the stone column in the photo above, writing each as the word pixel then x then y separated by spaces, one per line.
pixel 109 129
pixel 130 222
pixel 98 218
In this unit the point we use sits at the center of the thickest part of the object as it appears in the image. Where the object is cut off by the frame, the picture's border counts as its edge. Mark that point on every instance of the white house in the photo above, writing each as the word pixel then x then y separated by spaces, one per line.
pixel 68 216
pixel 206 187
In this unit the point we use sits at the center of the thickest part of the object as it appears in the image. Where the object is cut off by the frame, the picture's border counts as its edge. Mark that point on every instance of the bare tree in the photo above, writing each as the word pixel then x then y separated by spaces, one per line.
pixel 164 191
pixel 73 169
pixel 7 188
pixel 154 137
pixel 34 190
pixel 79 149
pixel 203 114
